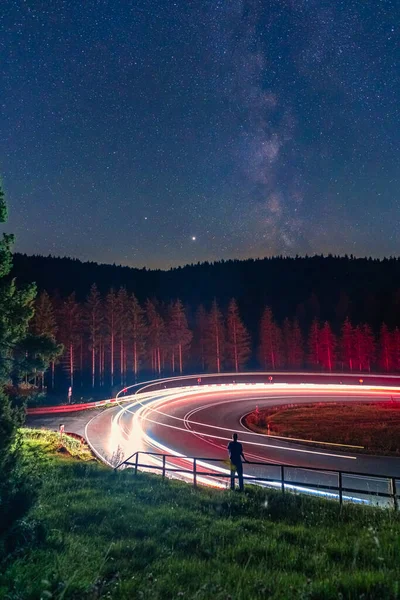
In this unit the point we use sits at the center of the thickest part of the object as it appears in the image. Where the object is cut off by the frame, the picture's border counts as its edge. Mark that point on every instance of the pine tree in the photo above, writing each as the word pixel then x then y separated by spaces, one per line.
pixel 396 349
pixel 347 345
pixel 364 347
pixel 16 309
pixel 180 336
pixel 238 339
pixel 370 346
pixel 32 355
pixel 327 347
pixel 200 335
pixel 271 345
pixel 386 349
pixel 342 307
pixel 155 336
pixel 314 345
pixel 122 314
pixel 137 330
pixel 110 319
pixel 44 322
pixel 293 344
pixel 70 324
pixel 215 339
pixel 93 318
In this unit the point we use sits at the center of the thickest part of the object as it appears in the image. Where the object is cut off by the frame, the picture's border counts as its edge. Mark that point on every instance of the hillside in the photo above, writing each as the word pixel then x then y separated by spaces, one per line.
pixel 99 534
pixel 326 287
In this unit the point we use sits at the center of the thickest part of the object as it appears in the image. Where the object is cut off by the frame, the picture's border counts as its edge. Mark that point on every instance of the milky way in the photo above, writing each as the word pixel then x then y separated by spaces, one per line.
pixel 158 133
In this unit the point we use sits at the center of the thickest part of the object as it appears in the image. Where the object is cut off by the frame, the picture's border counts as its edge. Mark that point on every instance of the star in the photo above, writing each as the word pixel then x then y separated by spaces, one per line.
pixel 193 238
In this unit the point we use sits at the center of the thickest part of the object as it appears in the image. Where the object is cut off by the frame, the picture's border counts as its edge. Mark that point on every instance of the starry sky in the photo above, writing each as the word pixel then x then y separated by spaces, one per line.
pixel 158 132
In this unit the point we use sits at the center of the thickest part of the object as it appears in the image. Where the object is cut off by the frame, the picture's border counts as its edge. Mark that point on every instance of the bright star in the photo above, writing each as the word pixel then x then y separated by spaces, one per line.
pixel 193 238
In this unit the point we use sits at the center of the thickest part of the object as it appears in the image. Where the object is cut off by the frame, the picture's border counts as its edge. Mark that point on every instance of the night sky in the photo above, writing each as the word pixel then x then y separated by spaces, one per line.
pixel 156 133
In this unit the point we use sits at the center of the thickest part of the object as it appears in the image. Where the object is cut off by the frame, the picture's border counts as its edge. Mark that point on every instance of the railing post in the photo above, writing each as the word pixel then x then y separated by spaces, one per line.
pixel 283 479
pixel 136 462
pixel 194 472
pixel 163 465
pixel 340 488
pixel 394 492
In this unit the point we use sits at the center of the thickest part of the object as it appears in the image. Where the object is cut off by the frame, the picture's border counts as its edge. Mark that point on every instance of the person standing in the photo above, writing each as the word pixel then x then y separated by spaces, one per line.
pixel 235 450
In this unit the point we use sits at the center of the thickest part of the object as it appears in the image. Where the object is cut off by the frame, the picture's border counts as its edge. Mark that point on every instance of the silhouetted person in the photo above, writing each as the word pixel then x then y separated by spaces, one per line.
pixel 235 450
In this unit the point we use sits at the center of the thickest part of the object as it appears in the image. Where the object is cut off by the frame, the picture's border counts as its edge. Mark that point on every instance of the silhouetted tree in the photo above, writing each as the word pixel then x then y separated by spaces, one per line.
pixel 237 338
pixel 314 307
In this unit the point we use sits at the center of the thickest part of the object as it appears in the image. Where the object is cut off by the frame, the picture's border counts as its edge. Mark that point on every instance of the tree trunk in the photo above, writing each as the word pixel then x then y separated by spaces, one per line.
pixel 71 365
pixel 135 360
pixel 93 365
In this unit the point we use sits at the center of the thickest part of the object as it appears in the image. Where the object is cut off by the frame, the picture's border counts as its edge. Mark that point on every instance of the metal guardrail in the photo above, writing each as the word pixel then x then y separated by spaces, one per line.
pixel 338 491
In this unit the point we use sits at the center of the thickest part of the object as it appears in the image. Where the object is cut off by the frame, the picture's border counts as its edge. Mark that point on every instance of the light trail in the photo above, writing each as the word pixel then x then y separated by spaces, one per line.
pixel 153 409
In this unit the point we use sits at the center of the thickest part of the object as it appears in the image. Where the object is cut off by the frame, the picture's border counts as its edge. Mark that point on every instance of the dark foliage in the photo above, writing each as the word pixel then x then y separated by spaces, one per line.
pixel 329 288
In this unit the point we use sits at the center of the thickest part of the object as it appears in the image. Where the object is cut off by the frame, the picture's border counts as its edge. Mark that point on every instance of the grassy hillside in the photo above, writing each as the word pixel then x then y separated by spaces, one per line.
pixel 98 534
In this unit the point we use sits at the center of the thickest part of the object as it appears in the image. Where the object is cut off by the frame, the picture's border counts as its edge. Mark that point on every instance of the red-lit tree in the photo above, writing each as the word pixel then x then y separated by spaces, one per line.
pixel 385 349
pixel 93 320
pixel 122 322
pixel 327 347
pixel 314 345
pixel 70 326
pixel 111 329
pixel 347 345
pixel 295 346
pixel 155 335
pixel 179 334
pixel 237 338
pixel 199 349
pixel 364 345
pixel 286 340
pixel 270 348
pixel 396 349
pixel 137 331
pixel 215 339
pixel 370 346
pixel 44 322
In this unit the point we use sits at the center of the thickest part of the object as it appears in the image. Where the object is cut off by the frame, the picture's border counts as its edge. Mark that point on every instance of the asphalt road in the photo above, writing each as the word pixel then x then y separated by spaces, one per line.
pixel 199 421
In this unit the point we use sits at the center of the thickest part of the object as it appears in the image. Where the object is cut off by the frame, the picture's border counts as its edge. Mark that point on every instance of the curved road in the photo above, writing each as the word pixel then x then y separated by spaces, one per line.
pixel 199 421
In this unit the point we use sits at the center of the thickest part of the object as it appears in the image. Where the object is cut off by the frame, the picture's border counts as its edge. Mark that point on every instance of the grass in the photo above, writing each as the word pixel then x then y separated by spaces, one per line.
pixel 51 442
pixel 114 535
pixel 375 425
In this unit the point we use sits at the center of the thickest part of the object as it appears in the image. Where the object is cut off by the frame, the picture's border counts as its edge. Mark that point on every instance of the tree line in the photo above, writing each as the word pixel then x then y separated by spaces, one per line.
pixel 327 287
pixel 114 340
